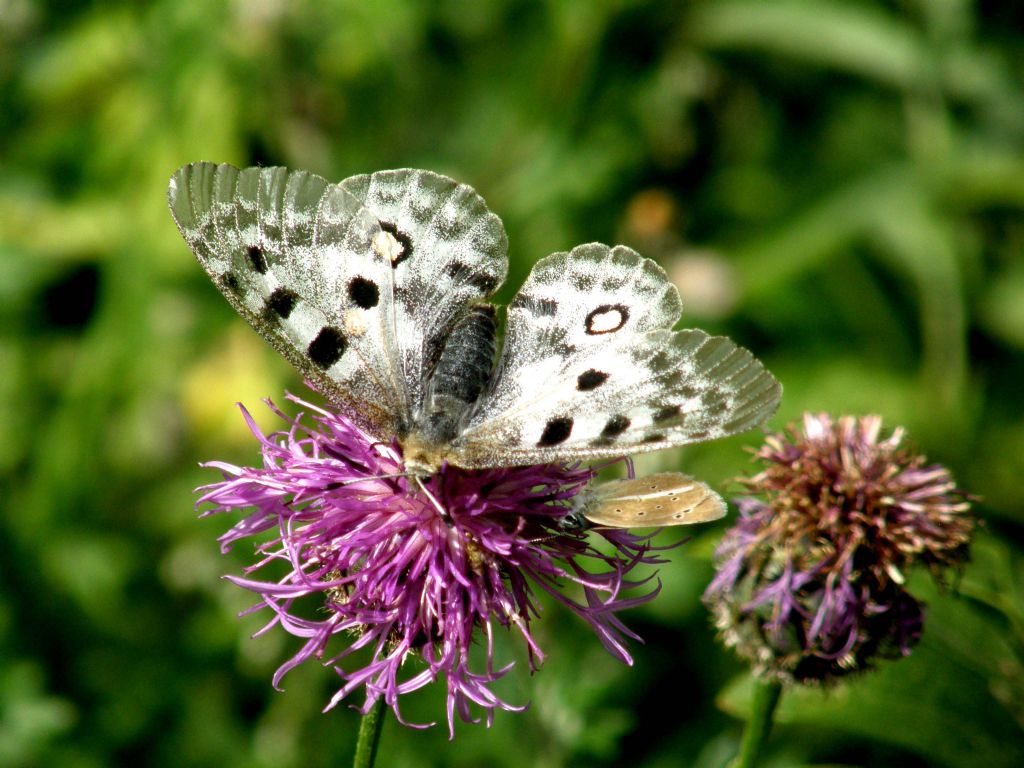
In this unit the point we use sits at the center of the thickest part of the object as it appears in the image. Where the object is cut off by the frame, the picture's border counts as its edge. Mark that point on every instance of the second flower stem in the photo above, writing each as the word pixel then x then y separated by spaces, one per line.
pixel 762 713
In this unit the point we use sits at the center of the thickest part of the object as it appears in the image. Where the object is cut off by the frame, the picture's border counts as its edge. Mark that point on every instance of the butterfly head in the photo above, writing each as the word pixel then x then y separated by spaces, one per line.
pixel 421 457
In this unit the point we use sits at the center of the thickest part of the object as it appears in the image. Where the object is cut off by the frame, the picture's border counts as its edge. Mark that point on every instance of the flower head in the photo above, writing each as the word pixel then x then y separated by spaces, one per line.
pixel 810 578
pixel 411 572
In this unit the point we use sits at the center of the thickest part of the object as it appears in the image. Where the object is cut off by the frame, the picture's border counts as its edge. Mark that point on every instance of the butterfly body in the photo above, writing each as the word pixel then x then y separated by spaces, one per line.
pixel 376 290
pixel 463 370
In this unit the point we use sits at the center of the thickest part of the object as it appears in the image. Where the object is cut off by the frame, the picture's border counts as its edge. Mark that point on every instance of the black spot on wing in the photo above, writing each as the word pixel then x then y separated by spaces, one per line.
pixel 364 293
pixel 616 426
pixel 591 379
pixel 281 302
pixel 556 431
pixel 229 282
pixel 666 414
pixel 403 240
pixel 327 348
pixel 483 282
pixel 257 258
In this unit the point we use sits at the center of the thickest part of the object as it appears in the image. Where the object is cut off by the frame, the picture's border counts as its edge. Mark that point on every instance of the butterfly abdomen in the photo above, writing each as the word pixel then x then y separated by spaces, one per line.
pixel 462 372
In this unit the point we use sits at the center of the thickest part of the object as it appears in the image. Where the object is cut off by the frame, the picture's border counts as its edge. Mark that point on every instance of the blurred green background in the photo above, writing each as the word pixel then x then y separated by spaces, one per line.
pixel 837 185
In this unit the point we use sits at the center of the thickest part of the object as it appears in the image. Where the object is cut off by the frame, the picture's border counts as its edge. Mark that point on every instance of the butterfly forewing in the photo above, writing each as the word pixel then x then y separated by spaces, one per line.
pixel 295 256
pixel 659 500
pixel 590 368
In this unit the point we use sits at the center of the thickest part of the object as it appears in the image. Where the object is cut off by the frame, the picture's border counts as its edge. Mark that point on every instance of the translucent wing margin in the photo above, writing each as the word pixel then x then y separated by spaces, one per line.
pixel 591 369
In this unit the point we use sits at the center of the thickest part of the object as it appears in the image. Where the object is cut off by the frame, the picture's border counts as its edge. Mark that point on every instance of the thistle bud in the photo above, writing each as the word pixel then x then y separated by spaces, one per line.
pixel 810 579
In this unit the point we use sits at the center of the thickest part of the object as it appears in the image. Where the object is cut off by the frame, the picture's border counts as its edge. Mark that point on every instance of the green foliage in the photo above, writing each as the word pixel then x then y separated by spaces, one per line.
pixel 837 185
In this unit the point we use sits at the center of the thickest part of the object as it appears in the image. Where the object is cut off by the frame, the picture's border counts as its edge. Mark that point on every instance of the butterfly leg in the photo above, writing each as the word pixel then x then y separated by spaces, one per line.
pixel 433 500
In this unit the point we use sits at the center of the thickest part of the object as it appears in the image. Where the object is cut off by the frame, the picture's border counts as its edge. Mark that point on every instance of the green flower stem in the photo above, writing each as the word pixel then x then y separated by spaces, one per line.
pixel 369 735
pixel 762 710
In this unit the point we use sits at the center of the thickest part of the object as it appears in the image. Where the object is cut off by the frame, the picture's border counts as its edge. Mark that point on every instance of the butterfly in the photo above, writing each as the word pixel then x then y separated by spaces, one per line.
pixel 654 501
pixel 376 289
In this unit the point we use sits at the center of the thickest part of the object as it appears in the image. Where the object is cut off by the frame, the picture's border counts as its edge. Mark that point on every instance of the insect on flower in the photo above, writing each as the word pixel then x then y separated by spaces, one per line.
pixel 376 290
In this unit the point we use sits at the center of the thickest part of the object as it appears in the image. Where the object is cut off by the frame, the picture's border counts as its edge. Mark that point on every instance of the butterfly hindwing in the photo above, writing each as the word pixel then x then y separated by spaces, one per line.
pixel 591 368
pixel 447 251
pixel 663 499
pixel 295 256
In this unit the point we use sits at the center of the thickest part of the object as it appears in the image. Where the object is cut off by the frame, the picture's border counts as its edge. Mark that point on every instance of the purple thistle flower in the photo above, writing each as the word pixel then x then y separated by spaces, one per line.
pixel 383 569
pixel 809 583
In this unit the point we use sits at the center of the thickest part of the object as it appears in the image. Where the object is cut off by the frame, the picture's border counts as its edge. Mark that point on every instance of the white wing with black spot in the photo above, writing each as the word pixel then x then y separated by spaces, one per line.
pixel 357 283
pixel 296 257
pixel 448 252
pixel 591 368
